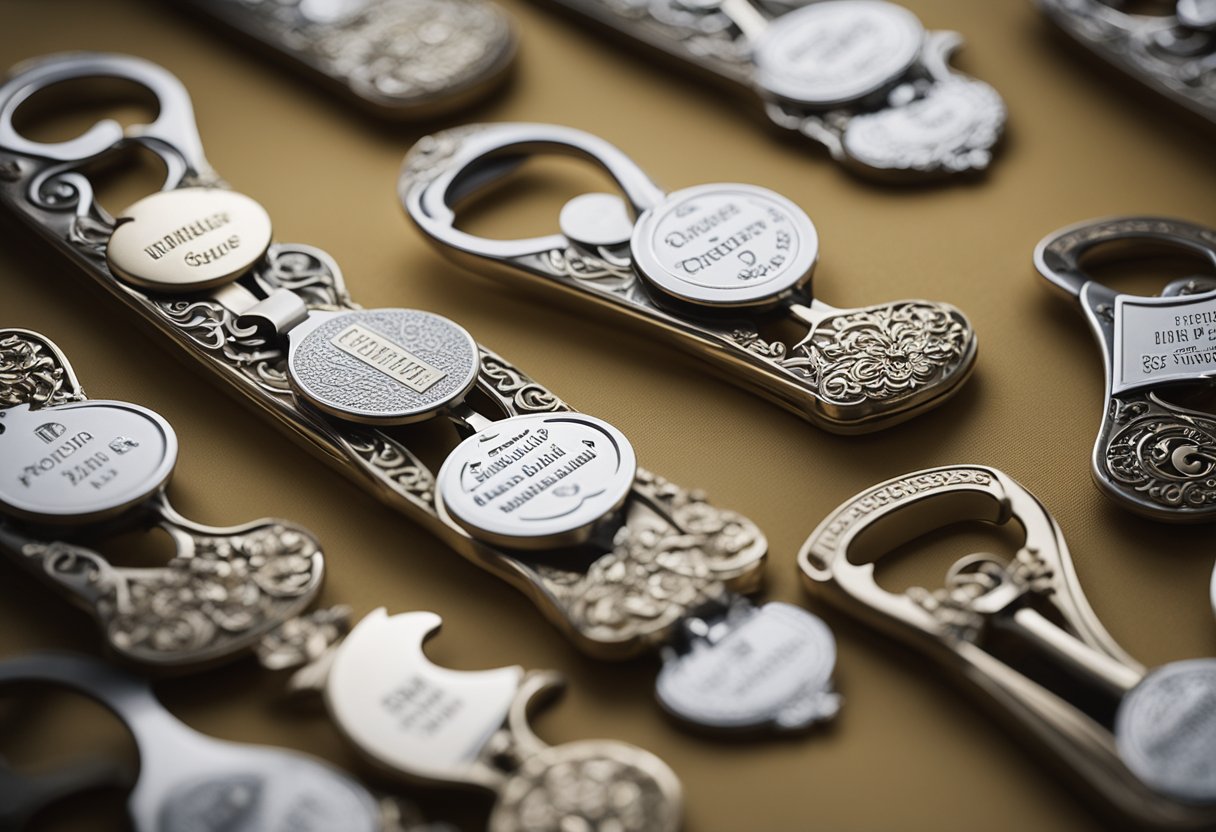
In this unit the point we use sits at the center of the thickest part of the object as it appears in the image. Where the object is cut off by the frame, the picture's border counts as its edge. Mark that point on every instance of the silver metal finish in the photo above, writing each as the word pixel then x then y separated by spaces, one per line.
pixel 712 269
pixel 670 551
pixel 750 668
pixel 538 481
pixel 862 78
pixel 1171 54
pixel 77 469
pixel 1152 455
pixel 384 366
pixel 189 781
pixel 418 720
pixel 1022 634
pixel 399 59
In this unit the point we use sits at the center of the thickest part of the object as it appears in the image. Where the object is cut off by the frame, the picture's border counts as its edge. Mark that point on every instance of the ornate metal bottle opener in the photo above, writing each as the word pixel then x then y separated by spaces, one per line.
pixel 1153 455
pixel 1173 54
pixel 189 781
pixel 232 591
pixel 710 268
pixel 546 498
pixel 1023 634
pixel 401 59
pixel 861 77
pixel 73 468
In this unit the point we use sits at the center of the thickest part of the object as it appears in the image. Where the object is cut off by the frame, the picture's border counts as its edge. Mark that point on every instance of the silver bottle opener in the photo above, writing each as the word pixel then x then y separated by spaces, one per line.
pixel 399 59
pixel 548 499
pixel 1172 54
pixel 860 77
pixel 73 468
pixel 708 268
pixel 1153 455
pixel 1143 741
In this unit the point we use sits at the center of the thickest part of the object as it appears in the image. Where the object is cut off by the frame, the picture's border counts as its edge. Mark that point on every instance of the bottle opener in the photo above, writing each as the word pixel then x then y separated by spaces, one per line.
pixel 1153 455
pixel 548 499
pixel 862 78
pixel 1023 634
pixel 399 59
pixel 73 468
pixel 710 268
pixel 1173 54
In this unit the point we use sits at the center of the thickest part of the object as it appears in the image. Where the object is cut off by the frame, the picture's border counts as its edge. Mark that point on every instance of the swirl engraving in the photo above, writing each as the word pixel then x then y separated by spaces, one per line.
pixel 31 373
pixel 514 390
pixel 881 353
pixel 1164 454
pixel 393 463
pixel 600 272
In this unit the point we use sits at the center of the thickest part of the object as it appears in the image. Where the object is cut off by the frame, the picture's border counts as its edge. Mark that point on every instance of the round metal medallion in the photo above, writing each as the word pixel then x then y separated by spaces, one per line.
pixel 725 245
pixel 596 220
pixel 82 462
pixel 537 481
pixel 837 51
pixel 383 366
pixel 189 239
pixel 1165 730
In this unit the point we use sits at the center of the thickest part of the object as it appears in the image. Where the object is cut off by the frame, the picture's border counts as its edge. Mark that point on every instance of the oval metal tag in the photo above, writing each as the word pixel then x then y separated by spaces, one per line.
pixel 726 245
pixel 82 462
pixel 837 51
pixel 383 366
pixel 537 481
pixel 189 239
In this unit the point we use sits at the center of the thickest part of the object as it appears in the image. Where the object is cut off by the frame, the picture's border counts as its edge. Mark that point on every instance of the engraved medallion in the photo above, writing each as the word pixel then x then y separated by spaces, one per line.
pixel 537 481
pixel 382 366
pixel 407 713
pixel 188 239
pixel 81 462
pixel 1166 730
pixel 759 667
pixel 726 245
pixel 837 51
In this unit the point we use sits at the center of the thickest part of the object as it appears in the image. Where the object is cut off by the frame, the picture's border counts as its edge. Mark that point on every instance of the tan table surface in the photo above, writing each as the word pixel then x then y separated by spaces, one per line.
pixel 909 751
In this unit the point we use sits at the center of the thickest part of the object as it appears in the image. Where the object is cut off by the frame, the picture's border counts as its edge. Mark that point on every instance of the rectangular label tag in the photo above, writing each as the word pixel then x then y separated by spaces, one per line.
pixel 394 361
pixel 1164 339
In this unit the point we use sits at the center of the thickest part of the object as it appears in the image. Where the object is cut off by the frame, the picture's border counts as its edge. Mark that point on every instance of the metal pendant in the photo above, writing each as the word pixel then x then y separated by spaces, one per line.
pixel 1173 54
pixel 862 78
pixel 1141 740
pixel 75 470
pixel 709 269
pixel 548 499
pixel 1153 455
pixel 398 59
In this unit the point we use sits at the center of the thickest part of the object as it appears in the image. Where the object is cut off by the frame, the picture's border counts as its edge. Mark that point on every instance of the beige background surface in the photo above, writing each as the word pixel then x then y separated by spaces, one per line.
pixel 909 751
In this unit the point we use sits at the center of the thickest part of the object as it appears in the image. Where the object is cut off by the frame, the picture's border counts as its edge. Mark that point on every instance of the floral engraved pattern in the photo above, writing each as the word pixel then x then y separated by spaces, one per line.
pixel 882 353
pixel 975 577
pixel 30 373
pixel 657 570
pixel 216 596
pixel 1161 453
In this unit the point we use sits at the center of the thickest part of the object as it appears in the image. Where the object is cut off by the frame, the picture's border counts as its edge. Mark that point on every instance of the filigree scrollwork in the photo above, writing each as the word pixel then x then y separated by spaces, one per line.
pixel 881 353
pixel 601 272
pixel 1162 453
pixel 515 390
pixel 309 272
pixel 393 463
pixel 957 605
pixel 31 373
pixel 304 639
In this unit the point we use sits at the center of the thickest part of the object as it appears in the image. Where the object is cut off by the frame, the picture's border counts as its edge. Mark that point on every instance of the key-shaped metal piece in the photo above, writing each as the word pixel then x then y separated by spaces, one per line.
pixel 1171 54
pixel 190 781
pixel 710 269
pixel 1152 760
pixel 75 469
pixel 862 78
pixel 420 721
pixel 399 59
pixel 546 498
pixel 1153 454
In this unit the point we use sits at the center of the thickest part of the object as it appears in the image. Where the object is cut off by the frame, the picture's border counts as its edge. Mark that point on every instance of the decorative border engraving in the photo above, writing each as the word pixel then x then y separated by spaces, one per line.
pixel 1160 453
pixel 31 372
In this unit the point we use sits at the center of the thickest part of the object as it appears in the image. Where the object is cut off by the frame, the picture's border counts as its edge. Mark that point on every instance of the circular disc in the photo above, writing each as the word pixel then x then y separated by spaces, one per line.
pixel 383 366
pixel 82 462
pixel 725 245
pixel 596 220
pixel 837 51
pixel 1165 730
pixel 537 481
pixel 187 239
